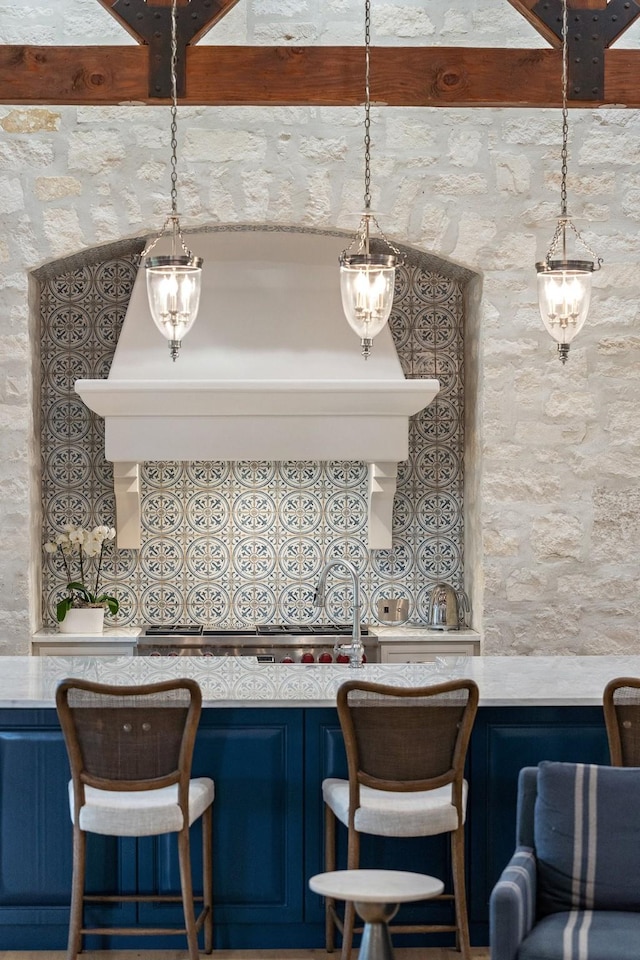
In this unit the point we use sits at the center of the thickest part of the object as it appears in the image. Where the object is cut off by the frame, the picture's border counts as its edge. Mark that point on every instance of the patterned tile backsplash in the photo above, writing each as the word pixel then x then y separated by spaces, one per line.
pixel 231 544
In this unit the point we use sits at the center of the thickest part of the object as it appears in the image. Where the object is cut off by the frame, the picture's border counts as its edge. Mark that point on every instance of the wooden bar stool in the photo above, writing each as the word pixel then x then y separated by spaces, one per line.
pixel 377 895
pixel 621 705
pixel 406 749
pixel 130 750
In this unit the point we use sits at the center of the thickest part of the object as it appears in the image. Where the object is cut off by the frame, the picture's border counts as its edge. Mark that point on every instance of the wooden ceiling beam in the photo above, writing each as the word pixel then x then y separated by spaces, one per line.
pixel 316 76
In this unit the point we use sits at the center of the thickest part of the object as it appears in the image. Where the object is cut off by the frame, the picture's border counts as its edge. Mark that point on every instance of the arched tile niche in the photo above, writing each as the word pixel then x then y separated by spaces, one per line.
pixel 232 543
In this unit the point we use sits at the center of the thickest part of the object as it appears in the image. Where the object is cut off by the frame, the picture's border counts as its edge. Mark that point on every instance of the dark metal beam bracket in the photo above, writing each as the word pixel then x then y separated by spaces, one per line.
pixel 153 25
pixel 589 33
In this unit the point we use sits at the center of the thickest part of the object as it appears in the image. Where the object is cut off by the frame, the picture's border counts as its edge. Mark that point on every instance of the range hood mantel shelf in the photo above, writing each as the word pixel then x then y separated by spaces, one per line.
pixel 237 398
pixel 270 371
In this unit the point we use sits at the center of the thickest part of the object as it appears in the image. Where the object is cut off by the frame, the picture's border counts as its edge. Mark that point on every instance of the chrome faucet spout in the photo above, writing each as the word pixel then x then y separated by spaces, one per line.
pixel 355 649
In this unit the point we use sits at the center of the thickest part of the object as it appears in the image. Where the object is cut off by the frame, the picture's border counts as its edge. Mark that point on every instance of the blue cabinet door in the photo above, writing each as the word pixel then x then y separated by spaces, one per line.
pixel 36 847
pixel 255 758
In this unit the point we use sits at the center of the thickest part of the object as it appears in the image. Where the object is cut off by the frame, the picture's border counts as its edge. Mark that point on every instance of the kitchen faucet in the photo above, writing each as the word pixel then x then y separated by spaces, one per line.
pixel 355 649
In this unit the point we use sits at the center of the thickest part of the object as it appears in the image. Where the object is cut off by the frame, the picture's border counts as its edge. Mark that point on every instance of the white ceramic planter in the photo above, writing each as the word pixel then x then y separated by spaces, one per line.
pixel 83 620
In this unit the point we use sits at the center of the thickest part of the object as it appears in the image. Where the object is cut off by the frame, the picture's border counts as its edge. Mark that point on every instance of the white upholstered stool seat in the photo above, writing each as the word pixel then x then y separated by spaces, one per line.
pixel 385 813
pixel 140 813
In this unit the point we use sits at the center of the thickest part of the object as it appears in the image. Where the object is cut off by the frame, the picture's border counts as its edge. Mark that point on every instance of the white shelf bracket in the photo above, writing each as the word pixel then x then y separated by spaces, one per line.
pixel 383 478
pixel 126 485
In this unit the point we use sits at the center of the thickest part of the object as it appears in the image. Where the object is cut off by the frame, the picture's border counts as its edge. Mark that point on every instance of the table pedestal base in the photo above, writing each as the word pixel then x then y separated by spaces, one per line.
pixel 376 941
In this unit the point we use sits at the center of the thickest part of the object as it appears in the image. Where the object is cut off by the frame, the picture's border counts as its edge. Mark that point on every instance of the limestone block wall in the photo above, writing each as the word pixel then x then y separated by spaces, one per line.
pixel 554 452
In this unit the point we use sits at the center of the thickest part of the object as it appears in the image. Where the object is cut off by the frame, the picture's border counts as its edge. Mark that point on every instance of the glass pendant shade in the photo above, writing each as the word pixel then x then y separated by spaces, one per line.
pixel 564 294
pixel 173 289
pixel 367 286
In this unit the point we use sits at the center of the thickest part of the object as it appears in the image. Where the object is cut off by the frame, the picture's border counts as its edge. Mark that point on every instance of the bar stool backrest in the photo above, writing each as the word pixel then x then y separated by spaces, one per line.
pixel 621 703
pixel 406 738
pixel 129 737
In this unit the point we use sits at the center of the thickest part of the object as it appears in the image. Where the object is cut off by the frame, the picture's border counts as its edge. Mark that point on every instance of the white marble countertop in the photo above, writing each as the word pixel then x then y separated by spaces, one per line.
pixel 238 681
pixel 420 632
pixel 108 635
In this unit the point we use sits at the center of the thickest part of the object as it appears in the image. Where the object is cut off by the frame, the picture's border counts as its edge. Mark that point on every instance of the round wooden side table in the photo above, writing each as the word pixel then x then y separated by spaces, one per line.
pixel 376 895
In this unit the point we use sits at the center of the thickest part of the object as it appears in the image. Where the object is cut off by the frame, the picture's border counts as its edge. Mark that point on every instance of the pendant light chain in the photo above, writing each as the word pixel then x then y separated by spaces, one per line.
pixel 565 112
pixel 367 105
pixel 363 235
pixel 172 222
pixel 564 220
pixel 174 108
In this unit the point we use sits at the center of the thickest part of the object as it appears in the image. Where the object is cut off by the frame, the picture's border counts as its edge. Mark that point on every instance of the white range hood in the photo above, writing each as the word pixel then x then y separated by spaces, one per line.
pixel 270 371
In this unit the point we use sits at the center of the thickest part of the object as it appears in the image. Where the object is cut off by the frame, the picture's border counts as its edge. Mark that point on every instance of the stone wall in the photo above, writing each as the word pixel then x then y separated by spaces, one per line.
pixel 556 450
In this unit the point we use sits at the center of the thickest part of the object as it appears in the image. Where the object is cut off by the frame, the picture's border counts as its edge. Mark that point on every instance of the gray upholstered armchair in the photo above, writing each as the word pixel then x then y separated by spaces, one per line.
pixel 571 891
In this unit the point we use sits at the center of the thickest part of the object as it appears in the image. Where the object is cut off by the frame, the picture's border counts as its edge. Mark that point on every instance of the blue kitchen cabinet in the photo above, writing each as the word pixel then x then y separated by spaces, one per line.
pixel 268 764
pixel 255 757
pixel 36 838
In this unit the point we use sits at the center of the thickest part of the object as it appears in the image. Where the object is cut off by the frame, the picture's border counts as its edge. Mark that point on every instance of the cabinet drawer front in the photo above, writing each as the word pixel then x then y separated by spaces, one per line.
pixel 424 652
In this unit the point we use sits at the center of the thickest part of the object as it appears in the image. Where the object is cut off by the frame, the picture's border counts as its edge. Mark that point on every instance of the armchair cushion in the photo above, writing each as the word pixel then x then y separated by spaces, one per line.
pixel 587 842
pixel 584 934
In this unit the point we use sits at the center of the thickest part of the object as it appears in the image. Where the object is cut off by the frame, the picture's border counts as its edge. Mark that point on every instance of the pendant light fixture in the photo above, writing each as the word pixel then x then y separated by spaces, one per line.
pixel 367 279
pixel 564 284
pixel 173 282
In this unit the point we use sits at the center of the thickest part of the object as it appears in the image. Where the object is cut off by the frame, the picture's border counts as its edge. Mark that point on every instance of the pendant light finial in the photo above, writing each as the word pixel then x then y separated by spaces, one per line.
pixel 174 281
pixel 564 284
pixel 367 279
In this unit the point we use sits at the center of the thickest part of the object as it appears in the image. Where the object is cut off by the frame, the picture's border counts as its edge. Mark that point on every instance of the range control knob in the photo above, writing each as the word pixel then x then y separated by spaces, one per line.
pixel 342 658
pixel 325 657
pixel 287 659
pixel 308 658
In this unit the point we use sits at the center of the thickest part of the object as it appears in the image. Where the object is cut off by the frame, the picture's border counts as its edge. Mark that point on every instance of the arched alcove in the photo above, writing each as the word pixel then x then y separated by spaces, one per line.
pixel 230 543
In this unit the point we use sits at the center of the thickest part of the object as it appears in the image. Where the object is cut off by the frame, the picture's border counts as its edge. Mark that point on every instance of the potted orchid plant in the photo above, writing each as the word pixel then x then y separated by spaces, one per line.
pixel 82 551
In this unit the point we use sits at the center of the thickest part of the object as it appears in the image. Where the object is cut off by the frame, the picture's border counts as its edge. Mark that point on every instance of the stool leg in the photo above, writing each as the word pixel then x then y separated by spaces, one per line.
pixel 74 945
pixel 186 887
pixel 329 866
pixel 207 877
pixel 459 890
pixel 353 862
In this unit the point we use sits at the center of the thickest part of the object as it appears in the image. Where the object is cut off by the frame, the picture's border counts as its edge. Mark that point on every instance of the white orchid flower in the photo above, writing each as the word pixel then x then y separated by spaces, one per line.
pixel 77 544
